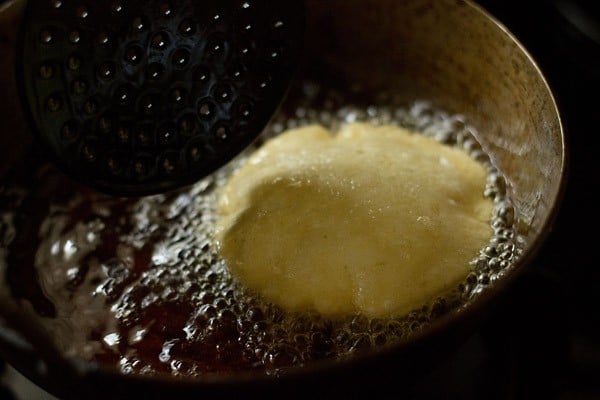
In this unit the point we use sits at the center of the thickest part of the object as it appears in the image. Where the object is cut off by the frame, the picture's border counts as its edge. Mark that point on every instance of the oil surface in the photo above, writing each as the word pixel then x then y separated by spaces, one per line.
pixel 137 283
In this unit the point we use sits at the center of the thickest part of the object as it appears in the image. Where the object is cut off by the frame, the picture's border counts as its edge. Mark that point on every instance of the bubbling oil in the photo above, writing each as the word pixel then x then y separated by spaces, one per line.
pixel 139 285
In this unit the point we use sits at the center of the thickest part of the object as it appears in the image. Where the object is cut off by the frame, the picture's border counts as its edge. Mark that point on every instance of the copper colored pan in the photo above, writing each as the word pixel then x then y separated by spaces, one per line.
pixel 450 52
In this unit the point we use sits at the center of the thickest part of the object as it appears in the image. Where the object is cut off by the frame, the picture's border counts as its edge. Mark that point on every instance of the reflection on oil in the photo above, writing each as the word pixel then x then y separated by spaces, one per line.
pixel 137 283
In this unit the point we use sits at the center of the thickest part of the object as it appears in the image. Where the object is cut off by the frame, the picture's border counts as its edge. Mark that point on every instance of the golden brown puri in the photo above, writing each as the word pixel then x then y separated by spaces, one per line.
pixel 373 219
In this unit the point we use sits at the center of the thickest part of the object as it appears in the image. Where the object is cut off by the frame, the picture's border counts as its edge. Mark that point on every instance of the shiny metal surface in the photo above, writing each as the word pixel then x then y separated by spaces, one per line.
pixel 456 55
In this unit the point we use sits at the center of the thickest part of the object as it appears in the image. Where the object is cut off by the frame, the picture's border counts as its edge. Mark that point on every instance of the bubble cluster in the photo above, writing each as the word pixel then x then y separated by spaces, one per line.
pixel 138 283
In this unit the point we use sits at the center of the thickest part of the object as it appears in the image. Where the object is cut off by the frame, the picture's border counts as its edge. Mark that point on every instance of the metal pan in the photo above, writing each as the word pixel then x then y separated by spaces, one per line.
pixel 450 52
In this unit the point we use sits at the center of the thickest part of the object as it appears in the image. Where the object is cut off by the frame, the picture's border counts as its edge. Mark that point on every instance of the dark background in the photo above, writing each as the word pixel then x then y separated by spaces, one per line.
pixel 543 340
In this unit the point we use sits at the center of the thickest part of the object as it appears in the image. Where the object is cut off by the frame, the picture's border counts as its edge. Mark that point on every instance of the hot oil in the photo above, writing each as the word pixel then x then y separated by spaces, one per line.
pixel 138 283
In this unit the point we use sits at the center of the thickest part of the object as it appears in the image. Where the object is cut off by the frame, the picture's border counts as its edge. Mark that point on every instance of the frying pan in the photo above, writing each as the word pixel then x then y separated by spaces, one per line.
pixel 450 52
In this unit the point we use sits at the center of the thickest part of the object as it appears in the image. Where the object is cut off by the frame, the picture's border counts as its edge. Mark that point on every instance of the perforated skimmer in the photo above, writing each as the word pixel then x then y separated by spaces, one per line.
pixel 142 97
